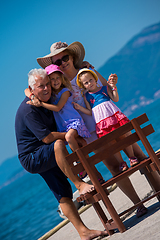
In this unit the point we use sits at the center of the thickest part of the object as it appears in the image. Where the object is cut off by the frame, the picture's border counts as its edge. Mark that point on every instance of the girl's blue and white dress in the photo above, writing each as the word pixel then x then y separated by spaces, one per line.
pixel 106 114
pixel 68 118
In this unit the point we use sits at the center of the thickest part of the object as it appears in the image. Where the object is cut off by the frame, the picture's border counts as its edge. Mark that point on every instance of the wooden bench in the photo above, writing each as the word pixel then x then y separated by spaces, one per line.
pixel 105 148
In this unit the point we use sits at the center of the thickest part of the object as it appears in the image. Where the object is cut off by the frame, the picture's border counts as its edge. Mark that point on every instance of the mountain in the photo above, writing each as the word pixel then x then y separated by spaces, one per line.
pixel 137 65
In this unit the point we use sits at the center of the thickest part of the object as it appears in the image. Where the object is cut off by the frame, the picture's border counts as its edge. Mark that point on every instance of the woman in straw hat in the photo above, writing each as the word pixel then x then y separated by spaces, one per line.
pixel 70 58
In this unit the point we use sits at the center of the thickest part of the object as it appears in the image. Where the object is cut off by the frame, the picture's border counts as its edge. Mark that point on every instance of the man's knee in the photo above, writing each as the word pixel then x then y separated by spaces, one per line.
pixel 60 148
pixel 65 200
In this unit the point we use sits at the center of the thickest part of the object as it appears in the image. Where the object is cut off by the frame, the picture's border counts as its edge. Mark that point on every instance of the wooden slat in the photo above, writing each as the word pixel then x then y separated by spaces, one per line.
pixel 117 178
pixel 110 182
pixel 72 158
pixel 110 150
pixel 113 135
pixel 93 146
pixel 118 146
pixel 146 143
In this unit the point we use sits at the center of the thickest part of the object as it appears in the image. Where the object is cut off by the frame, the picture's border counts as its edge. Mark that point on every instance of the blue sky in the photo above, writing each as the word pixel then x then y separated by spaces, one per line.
pixel 28 28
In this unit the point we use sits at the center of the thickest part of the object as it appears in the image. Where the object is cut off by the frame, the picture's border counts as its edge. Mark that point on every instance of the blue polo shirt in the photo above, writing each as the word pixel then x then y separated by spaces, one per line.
pixel 32 124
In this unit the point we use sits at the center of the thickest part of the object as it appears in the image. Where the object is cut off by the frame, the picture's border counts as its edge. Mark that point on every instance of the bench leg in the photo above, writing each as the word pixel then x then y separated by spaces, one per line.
pixel 153 179
pixel 108 227
pixel 114 215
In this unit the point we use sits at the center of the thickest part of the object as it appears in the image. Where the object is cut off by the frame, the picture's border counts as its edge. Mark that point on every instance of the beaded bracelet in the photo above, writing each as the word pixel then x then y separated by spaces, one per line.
pixel 30 96
pixel 114 89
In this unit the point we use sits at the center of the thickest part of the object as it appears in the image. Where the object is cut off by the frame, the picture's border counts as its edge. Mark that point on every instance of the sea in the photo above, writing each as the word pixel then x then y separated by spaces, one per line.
pixel 28 208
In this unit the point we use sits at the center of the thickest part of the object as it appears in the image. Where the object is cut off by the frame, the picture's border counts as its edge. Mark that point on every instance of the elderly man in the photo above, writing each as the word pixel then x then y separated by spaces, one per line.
pixel 41 150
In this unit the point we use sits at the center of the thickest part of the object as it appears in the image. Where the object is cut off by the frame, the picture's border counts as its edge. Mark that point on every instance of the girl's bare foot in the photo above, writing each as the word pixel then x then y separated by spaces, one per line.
pixel 91 234
pixel 85 187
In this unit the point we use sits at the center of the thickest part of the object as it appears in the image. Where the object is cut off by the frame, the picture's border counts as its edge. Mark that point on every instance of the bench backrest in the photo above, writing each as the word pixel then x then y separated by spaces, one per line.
pixel 104 147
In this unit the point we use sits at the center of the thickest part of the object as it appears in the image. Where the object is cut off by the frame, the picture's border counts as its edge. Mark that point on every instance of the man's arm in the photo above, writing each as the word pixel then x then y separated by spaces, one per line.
pixel 42 125
pixel 54 136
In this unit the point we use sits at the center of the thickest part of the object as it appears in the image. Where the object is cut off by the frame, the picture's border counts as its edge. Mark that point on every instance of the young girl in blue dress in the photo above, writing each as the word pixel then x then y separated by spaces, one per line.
pixel 106 114
pixel 66 117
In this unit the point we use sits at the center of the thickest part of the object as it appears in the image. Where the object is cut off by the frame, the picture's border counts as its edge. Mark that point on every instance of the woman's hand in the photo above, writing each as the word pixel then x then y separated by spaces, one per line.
pixel 86 64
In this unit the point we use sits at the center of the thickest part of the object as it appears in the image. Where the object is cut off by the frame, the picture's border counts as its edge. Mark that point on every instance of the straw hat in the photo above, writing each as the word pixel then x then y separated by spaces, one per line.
pixel 85 70
pixel 76 48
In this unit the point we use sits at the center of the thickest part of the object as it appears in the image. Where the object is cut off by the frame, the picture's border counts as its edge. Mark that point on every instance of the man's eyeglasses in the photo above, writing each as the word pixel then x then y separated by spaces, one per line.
pixel 65 58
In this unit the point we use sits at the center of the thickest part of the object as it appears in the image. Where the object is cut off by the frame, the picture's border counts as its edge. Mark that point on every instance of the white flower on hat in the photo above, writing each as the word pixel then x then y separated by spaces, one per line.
pixel 60 44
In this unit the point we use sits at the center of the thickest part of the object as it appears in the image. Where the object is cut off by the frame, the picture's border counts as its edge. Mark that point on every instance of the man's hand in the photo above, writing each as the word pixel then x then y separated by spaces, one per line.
pixel 53 136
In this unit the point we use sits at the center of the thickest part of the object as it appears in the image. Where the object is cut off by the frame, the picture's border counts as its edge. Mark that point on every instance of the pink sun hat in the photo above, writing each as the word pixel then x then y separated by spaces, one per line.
pixel 52 68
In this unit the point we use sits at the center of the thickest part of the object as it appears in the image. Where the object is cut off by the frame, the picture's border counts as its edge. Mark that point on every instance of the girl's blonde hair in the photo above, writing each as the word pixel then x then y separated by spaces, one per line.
pixel 65 82
pixel 83 71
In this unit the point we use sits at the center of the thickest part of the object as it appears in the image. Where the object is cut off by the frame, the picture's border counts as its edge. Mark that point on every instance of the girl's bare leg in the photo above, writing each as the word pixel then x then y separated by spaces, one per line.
pixel 60 154
pixel 118 157
pixel 128 150
pixel 125 184
pixel 138 152
pixel 70 137
pixel 135 151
